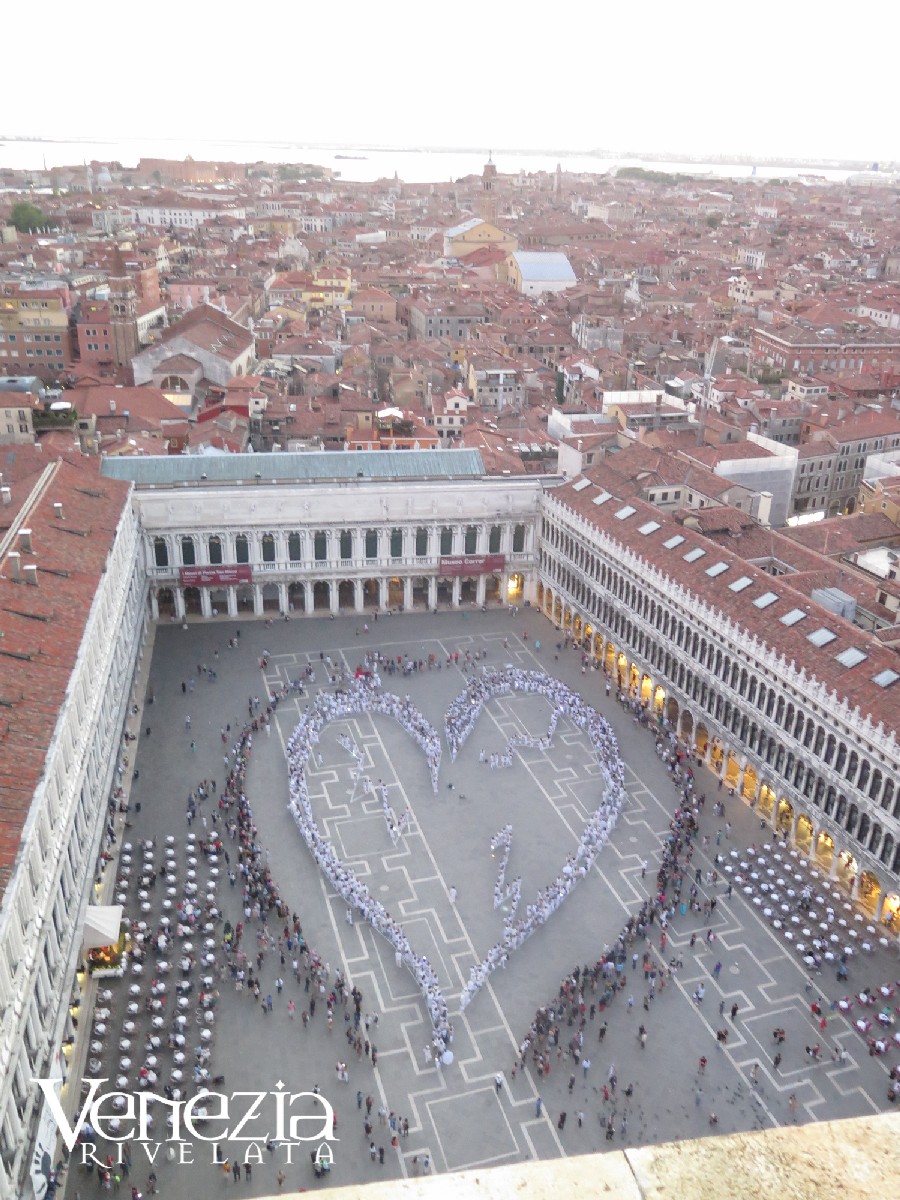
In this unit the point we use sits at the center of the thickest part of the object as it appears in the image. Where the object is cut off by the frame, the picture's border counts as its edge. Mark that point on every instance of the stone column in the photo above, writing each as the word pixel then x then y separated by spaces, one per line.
pixel 432 591
pixel 879 907
pixel 257 600
pixel 179 602
pixel 307 596
pixel 383 591
pixel 231 594
pixel 457 587
pixel 283 598
pixel 205 602
pixel 154 605
pixel 407 594
pixel 358 595
pixel 480 590
pixel 334 596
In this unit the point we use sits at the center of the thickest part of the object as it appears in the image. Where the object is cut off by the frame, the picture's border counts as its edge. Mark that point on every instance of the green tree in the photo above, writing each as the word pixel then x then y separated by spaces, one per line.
pixel 27 217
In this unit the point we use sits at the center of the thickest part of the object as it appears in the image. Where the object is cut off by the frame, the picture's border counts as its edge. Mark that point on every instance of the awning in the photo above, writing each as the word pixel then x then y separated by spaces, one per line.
pixel 101 925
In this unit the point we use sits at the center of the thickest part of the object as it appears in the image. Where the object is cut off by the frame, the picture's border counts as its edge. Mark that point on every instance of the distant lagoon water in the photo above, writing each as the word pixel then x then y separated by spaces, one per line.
pixel 364 164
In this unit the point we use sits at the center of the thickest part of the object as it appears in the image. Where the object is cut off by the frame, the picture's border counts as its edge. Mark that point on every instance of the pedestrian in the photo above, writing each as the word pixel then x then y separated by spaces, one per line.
pixel 734 1010
pixel 373 1152
pixel 585 1066
pixel 236 1171
pixel 498 1082
pixel 702 1066
pixel 776 1061
pixel 580 1116
pixel 561 1123
pixel 381 1155
pixel 538 1105
pixel 280 1178
pixel 698 1096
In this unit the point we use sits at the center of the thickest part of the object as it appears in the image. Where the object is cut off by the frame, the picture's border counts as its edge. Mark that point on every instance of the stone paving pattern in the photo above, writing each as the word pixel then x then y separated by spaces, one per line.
pixel 456 1115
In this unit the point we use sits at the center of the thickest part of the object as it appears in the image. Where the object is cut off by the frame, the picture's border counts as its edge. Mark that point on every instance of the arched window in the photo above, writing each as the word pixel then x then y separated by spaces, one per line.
pixel 268 548
pixel 346 543
pixel 294 547
pixel 214 546
pixel 422 540
pixel 518 539
pixel 320 545
pixel 397 543
pixel 174 383
pixel 160 551
pixel 188 552
pixel 241 548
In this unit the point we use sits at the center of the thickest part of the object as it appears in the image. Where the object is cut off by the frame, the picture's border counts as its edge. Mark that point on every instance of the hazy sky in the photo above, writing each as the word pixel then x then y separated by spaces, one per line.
pixel 783 77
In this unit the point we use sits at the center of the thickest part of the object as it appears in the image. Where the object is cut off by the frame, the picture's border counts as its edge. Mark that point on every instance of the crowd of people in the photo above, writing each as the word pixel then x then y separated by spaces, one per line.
pixel 460 721
pixel 364 695
pixel 502 842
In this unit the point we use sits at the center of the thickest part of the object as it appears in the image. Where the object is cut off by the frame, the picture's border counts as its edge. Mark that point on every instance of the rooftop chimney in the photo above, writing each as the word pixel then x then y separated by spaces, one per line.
pixel 25 541
pixel 58 510
pixel 29 573
pixel 14 560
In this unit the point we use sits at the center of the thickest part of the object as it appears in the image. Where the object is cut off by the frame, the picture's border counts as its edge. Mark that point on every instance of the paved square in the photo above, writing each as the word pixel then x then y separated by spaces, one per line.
pixel 455 1114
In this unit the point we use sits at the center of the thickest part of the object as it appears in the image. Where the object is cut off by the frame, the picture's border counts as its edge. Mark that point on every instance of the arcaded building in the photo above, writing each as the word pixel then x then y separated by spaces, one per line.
pixel 789 702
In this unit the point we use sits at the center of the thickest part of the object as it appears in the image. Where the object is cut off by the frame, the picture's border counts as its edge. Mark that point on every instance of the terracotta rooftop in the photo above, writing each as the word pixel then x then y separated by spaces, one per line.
pixel 41 627
pixel 779 615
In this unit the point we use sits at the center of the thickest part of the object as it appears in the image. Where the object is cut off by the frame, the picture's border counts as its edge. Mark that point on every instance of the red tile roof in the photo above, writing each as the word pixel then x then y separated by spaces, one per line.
pixel 41 628
pixel 624 523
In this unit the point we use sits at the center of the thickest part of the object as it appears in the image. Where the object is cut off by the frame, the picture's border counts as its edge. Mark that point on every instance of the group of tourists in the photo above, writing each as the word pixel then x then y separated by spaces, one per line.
pixel 364 695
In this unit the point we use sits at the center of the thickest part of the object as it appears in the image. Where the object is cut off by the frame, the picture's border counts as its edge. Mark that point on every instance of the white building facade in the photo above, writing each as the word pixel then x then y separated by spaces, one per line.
pixel 43 907
pixel 819 768
pixel 793 708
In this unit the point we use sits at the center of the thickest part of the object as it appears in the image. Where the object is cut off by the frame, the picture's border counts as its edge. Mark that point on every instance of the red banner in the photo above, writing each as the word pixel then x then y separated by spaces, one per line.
pixel 471 564
pixel 214 576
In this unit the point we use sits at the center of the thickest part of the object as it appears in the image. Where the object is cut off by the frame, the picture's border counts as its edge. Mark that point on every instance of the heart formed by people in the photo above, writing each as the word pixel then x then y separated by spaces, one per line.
pixel 461 718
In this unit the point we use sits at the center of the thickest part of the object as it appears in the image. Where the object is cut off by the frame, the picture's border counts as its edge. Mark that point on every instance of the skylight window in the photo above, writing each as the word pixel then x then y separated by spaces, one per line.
pixel 795 615
pixel 886 677
pixel 581 485
pixel 672 542
pixel 740 584
pixel 765 600
pixel 716 569
pixel 851 657
pixel 602 498
pixel 693 555
pixel 649 527
pixel 821 636
pixel 627 511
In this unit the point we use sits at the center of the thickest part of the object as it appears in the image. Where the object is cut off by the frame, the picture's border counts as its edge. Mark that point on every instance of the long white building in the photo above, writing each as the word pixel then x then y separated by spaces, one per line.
pixel 793 706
